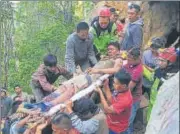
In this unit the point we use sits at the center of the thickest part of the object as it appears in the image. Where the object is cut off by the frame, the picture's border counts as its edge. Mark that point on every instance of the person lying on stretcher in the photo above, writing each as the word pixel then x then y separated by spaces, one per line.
pixel 52 100
pixel 113 53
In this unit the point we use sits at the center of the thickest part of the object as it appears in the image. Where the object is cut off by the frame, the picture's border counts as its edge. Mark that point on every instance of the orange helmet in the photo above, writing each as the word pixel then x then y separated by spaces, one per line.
pixel 168 54
pixel 105 13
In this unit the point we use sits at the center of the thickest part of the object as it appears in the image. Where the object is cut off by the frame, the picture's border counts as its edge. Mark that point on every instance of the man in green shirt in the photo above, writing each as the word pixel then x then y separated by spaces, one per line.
pixel 104 31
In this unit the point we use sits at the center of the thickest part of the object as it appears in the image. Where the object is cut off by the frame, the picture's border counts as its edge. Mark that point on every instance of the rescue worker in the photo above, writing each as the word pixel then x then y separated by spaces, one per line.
pixel 79 49
pixel 104 31
pixel 166 60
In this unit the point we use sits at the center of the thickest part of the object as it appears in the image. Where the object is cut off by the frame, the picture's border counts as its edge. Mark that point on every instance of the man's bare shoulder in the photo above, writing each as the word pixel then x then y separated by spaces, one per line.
pixel 118 60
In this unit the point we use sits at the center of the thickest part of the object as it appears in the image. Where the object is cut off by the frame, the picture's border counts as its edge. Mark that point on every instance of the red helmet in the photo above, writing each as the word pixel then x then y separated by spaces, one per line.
pixel 105 13
pixel 168 54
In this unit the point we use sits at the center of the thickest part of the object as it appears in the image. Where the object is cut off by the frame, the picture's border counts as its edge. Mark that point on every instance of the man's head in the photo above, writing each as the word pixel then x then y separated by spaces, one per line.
pixel 162 62
pixel 121 80
pixel 3 92
pixel 154 48
pixel 133 12
pixel 61 123
pixel 112 10
pixel 104 18
pixel 134 56
pixel 82 30
pixel 121 21
pixel 113 48
pixel 167 57
pixel 156 44
pixel 114 15
pixel 85 108
pixel 50 61
pixel 17 89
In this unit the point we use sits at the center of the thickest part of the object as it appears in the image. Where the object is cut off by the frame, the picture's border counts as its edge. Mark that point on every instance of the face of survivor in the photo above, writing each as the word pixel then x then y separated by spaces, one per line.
pixel 112 51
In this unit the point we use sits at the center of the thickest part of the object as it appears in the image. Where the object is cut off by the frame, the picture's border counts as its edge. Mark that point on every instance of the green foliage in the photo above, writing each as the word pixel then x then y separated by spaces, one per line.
pixel 35 36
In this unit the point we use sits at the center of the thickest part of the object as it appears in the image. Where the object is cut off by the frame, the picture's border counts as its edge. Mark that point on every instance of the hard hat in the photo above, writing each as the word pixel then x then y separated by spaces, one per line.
pixel 104 13
pixel 168 54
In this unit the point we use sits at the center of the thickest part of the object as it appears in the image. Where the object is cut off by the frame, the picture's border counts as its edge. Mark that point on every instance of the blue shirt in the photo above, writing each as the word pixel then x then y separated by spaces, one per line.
pixel 149 59
pixel 133 36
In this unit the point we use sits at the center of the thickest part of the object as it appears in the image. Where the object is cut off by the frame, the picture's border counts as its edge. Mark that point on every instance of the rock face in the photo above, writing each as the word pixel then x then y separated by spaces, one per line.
pixel 161 19
pixel 165 113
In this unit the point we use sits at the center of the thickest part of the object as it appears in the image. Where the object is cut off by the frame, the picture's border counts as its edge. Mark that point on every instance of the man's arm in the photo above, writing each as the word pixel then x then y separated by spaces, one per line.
pixel 137 36
pixel 107 108
pixel 65 73
pixel 107 91
pixel 91 54
pixel 115 108
pixel 40 127
pixel 86 127
pixel 46 86
pixel 132 85
pixel 22 122
pixel 69 57
pixel 116 68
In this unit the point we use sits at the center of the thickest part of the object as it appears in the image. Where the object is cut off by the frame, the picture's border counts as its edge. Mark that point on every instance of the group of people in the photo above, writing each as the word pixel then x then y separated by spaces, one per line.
pixel 120 95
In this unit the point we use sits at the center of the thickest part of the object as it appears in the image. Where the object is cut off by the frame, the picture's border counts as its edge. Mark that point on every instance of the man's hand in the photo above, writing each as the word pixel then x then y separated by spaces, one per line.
pixel 92 70
pixel 69 105
pixel 43 125
pixel 97 89
pixel 40 127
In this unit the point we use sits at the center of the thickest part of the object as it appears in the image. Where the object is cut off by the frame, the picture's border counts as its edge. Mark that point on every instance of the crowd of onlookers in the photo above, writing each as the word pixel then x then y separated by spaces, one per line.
pixel 111 108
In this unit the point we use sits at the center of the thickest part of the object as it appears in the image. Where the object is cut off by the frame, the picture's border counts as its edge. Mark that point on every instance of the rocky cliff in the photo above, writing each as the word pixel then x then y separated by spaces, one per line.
pixel 165 113
pixel 161 19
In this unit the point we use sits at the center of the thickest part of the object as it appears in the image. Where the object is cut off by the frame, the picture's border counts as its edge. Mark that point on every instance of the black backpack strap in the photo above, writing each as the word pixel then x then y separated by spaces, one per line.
pixel 95 26
pixel 94 20
pixel 110 27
